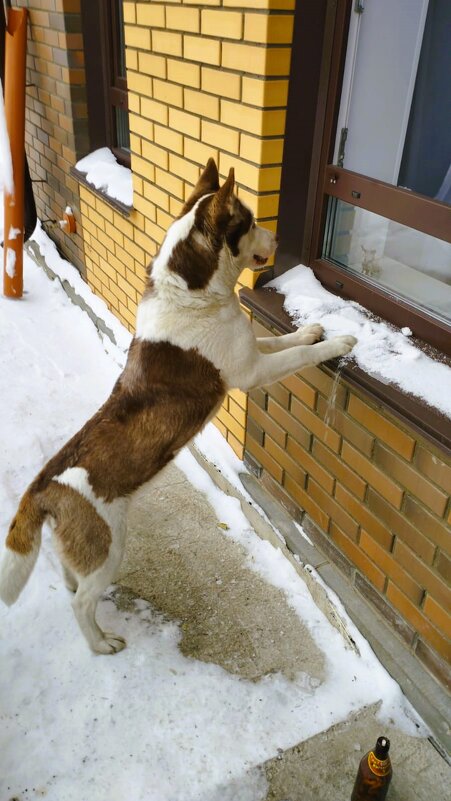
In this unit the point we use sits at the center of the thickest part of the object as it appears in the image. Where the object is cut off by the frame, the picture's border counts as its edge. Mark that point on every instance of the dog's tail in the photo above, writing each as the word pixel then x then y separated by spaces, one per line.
pixel 22 548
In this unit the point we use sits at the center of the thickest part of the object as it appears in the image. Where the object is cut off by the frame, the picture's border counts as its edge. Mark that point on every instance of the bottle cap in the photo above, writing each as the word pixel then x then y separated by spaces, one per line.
pixel 382 747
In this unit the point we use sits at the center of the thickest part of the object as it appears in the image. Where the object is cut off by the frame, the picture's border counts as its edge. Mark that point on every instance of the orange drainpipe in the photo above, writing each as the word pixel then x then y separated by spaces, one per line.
pixel 15 58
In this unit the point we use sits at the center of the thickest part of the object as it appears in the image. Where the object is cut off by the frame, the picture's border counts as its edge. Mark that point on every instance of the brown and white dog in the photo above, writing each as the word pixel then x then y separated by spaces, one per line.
pixel 192 344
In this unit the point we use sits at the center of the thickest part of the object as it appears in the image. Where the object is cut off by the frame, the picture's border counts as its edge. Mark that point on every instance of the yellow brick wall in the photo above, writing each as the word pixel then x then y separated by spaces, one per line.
pixel 203 80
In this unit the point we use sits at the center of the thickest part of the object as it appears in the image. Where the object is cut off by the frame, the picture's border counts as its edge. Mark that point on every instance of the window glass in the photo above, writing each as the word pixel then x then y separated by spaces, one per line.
pixel 410 264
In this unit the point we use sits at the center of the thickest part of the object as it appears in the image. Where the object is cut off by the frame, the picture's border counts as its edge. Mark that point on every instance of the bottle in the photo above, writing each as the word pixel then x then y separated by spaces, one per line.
pixel 374 774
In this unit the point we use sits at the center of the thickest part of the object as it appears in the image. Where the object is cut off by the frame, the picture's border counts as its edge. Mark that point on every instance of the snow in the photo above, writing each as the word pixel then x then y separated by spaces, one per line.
pixel 382 350
pixel 148 724
pixel 10 266
pixel 103 171
pixel 6 165
pixel 13 233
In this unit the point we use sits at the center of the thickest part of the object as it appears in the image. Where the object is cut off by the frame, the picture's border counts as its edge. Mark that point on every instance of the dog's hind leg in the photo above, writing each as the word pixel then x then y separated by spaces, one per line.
pixel 90 588
pixel 70 579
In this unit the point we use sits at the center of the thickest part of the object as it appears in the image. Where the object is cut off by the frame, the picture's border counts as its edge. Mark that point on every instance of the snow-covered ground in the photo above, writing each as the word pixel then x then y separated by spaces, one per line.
pixel 148 724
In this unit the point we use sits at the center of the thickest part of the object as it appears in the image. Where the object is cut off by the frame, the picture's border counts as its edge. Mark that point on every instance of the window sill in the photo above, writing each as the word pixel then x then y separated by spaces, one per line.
pixel 112 201
pixel 267 305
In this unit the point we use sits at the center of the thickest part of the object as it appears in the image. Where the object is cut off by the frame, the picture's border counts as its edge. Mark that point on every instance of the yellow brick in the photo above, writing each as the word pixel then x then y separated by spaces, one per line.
pixel 151 65
pixel 133 100
pixel 268 29
pixel 146 207
pixel 141 84
pixel 256 60
pixel 97 219
pixel 167 42
pixel 236 445
pixel 164 219
pixel 220 427
pixel 143 168
pixel 157 196
pixel 231 424
pixel 157 155
pixel 129 12
pixel 123 225
pixel 220 137
pixel 207 51
pixel 169 93
pixel 187 123
pixel 114 234
pixel 135 144
pixel 263 206
pixel 239 397
pixel 268 5
pixel 183 168
pixel 110 271
pixel 170 183
pixel 150 14
pixel 126 287
pixel 139 125
pixel 155 232
pixel 237 412
pixel 261 151
pixel 267 122
pixel 201 103
pixel 224 24
pixel 118 293
pixel 205 2
pixel 111 299
pixel 175 206
pixel 198 152
pixel 144 242
pixel 131 59
pixel 137 183
pixel 183 19
pixel 257 92
pixel 221 83
pixel 259 179
pixel 87 196
pixel 137 37
pixel 172 140
pixel 153 110
pixel 181 72
pixel 84 208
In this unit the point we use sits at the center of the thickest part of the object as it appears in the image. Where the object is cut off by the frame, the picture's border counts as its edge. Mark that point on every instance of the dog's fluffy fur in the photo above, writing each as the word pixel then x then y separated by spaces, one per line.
pixel 192 345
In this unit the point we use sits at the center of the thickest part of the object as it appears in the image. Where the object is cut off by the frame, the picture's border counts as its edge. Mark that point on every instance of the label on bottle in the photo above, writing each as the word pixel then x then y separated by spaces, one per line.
pixel 380 767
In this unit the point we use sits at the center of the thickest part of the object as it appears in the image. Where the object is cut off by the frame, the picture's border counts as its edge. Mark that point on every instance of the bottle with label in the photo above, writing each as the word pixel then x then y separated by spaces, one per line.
pixel 374 774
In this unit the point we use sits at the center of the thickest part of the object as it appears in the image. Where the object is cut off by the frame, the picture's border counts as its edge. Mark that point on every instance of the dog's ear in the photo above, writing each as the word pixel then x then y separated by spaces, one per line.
pixel 208 183
pixel 226 190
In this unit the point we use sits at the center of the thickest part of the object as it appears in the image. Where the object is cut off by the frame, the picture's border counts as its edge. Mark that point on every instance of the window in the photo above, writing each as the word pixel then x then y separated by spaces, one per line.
pixel 106 81
pixel 381 225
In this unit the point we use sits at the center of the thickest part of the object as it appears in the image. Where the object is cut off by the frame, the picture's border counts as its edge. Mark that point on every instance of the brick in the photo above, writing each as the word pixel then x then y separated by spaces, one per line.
pixel 443 566
pixel 432 497
pixel 424 575
pixel 315 425
pixel 169 93
pixel 343 424
pixel 168 182
pixel 189 124
pixel 183 19
pixel 217 82
pixel 375 477
pixel 226 24
pixel 301 390
pixel 255 60
pixel 184 73
pixel 137 37
pixel 403 529
pixel 268 29
pixel 259 179
pixel 172 140
pixel 306 502
pixel 261 151
pixel 435 468
pixel 220 137
pixel 344 474
pixel 129 11
pixel 359 559
pixel 253 430
pixel 389 565
pixel 267 424
pixel 153 110
pixel 207 51
pixel 266 5
pixel 259 397
pixel 310 465
pixel 167 42
pixel 156 196
pixel 265 93
pixel 437 615
pixel 198 152
pixel 437 666
pixel 183 168
pixel 150 15
pixel 417 619
pixel 237 412
pixel 281 395
pixel 287 422
pixel 379 425
pixel 157 155
pixel 284 460
pixel 389 614
pixel 264 458
pixel 262 122
pixel 201 103
pixel 333 509
pixel 151 65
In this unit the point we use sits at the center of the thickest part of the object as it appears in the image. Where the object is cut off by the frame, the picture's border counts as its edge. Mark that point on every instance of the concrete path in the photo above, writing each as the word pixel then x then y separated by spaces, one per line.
pixel 180 560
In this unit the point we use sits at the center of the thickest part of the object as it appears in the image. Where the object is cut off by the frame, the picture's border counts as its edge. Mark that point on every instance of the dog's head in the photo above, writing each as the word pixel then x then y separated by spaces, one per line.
pixel 215 236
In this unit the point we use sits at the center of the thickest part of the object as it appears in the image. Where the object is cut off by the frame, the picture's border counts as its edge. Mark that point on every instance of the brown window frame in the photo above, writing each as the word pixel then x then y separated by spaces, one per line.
pixel 323 179
pixel 106 88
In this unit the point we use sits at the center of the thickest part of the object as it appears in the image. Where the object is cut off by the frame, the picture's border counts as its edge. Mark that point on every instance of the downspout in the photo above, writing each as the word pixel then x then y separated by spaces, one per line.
pixel 20 210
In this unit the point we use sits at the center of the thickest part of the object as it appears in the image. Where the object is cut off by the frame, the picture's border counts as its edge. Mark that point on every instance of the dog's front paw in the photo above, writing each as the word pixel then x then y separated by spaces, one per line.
pixel 310 334
pixel 342 345
pixel 109 644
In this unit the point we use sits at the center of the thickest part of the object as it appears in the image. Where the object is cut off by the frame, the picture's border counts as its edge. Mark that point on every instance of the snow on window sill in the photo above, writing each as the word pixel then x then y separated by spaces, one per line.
pixel 386 363
pixel 107 178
